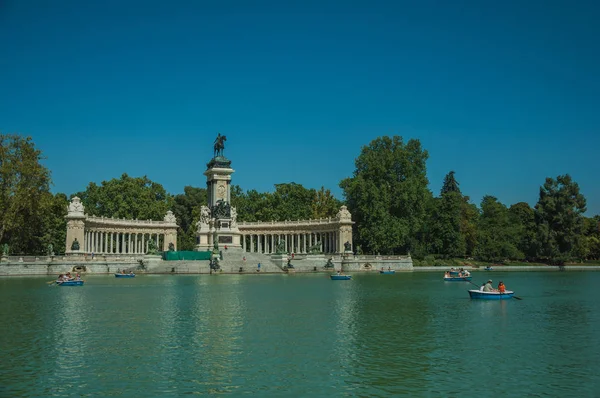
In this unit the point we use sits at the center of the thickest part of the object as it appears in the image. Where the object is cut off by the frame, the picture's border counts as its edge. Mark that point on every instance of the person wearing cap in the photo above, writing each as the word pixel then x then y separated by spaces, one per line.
pixel 488 286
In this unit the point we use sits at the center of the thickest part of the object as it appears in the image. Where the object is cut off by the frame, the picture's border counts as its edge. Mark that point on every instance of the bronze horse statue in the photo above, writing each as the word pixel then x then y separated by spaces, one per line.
pixel 219 145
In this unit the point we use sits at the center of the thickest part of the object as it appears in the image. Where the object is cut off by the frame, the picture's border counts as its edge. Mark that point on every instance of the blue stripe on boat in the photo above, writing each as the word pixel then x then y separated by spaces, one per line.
pixel 340 277
pixel 477 294
pixel 458 279
pixel 70 283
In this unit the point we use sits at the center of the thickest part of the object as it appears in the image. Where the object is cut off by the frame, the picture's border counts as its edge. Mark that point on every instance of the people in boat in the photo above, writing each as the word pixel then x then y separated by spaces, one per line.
pixel 501 287
pixel 488 286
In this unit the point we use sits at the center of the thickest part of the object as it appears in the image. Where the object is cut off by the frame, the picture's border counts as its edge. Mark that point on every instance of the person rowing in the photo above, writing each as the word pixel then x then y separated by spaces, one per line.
pixel 488 287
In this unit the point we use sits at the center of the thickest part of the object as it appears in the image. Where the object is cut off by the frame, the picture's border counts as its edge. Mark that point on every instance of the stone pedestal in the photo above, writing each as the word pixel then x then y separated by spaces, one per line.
pixel 218 221
pixel 75 227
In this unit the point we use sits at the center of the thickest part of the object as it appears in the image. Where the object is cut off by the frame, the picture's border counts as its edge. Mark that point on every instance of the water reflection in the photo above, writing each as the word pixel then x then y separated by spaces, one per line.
pixel 299 335
pixel 70 338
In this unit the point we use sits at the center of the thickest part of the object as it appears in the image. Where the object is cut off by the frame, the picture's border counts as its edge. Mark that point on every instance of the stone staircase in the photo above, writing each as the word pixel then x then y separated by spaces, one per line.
pixel 234 259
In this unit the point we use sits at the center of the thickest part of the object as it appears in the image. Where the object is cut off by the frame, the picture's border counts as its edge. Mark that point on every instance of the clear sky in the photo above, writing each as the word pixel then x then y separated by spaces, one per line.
pixel 505 93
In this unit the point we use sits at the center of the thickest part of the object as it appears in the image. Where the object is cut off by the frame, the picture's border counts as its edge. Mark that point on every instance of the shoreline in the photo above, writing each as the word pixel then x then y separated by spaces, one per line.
pixel 515 268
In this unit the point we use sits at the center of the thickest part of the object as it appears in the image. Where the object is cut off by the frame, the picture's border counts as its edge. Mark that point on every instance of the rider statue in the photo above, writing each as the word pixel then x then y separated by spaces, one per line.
pixel 219 145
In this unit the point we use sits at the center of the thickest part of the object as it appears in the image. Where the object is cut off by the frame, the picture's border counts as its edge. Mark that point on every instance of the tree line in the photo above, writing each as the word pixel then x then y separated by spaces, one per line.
pixel 388 195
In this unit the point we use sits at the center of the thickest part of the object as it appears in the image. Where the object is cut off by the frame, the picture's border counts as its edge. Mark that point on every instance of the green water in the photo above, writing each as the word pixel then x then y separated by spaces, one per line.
pixel 300 335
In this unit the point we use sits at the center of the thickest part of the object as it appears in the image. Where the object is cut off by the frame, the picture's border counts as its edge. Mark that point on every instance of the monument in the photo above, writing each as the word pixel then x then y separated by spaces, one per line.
pixel 75 226
pixel 218 219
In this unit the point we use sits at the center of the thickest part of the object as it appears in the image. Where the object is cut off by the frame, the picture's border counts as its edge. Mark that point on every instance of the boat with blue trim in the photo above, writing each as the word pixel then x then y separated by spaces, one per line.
pixel 340 277
pixel 69 283
pixel 124 275
pixel 458 278
pixel 478 294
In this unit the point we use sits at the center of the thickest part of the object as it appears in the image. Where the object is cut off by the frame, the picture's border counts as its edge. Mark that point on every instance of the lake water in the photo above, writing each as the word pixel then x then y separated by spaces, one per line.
pixel 301 335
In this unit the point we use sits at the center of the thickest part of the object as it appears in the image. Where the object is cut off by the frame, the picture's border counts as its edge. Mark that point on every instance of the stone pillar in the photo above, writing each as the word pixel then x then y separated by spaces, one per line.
pixel 344 219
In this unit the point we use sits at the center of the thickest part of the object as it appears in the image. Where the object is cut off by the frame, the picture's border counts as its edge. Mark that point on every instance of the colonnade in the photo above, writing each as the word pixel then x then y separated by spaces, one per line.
pixel 112 242
pixel 298 243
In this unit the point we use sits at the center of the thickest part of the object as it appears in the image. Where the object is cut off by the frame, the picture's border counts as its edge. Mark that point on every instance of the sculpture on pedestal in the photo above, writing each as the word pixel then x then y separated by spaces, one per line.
pixel 219 145
pixel 50 250
pixel 5 249
pixel 75 245
pixel 280 249
pixel 348 246
pixel 171 247
pixel 314 249
pixel 152 249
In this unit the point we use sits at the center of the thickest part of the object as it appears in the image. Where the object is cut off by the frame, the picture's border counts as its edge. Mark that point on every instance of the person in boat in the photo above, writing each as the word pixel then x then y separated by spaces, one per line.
pixel 488 287
pixel 78 277
pixel 60 278
pixel 482 287
pixel 501 287
pixel 466 273
pixel 118 270
pixel 389 268
pixel 339 272
pixel 382 268
pixel 130 272
pixel 447 274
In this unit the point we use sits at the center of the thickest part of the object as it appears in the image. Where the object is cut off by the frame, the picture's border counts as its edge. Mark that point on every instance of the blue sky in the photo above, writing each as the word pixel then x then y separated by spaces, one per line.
pixel 504 93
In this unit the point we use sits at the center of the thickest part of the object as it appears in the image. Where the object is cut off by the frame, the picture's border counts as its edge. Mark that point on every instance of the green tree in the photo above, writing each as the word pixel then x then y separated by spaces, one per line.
pixel 252 206
pixel 324 204
pixel 450 183
pixel 468 225
pixel 291 201
pixel 23 183
pixel 522 216
pixel 497 234
pixel 387 195
pixel 186 208
pixel 592 235
pixel 559 219
pixel 127 197
pixel 447 236
pixel 53 225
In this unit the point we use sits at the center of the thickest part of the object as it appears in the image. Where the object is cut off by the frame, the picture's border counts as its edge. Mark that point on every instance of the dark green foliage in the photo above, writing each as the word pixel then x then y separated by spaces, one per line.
pixel 497 235
pixel 560 222
pixel 450 184
pixel 54 225
pixel 522 216
pixel 592 236
pixel 290 201
pixel 24 183
pixel 446 237
pixel 387 195
pixel 127 197
pixel 186 208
